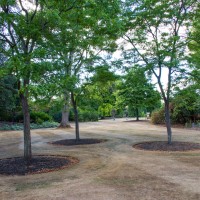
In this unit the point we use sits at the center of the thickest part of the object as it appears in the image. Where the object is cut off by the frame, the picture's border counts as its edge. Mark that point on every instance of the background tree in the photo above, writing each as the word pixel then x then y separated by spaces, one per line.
pixel 103 86
pixel 137 92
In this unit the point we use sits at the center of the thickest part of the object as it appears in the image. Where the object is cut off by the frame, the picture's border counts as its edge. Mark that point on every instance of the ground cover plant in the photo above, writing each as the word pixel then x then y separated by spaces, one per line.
pixel 19 126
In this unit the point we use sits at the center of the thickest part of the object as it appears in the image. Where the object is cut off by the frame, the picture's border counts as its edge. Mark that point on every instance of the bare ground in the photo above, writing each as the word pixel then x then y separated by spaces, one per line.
pixel 109 170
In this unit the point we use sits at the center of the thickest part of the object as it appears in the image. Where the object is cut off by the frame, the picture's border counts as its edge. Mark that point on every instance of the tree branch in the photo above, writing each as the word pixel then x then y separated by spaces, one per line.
pixel 25 10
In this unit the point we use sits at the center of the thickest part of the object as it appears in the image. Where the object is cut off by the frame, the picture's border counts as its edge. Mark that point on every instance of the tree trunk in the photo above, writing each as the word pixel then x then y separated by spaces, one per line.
pixel 27 133
pixel 168 122
pixel 137 114
pixel 75 116
pixel 65 113
pixel 65 117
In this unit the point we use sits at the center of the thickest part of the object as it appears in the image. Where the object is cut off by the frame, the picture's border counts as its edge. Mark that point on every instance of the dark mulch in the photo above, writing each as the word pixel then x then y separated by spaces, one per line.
pixel 164 146
pixel 136 120
pixel 39 164
pixel 70 142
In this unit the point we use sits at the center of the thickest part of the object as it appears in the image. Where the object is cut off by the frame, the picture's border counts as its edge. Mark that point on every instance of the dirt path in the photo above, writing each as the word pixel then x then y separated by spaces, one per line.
pixel 110 170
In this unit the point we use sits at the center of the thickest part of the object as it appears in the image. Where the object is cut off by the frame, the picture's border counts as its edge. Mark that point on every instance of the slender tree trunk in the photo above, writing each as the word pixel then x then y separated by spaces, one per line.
pixel 65 112
pixel 167 112
pixel 168 122
pixel 75 116
pixel 27 133
pixel 137 114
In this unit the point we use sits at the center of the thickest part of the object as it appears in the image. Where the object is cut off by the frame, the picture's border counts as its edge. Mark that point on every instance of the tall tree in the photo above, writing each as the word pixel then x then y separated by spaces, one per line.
pixel 25 28
pixel 86 32
pixel 156 31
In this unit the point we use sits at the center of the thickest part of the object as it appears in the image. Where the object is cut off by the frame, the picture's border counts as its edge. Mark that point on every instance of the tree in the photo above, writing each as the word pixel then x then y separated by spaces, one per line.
pixel 156 31
pixel 103 87
pixel 24 31
pixel 137 91
pixel 77 42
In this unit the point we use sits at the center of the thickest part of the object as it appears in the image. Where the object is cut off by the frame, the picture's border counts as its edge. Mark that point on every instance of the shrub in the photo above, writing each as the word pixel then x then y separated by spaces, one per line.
pixel 46 124
pixel 88 115
pixel 57 117
pixel 19 117
pixel 84 115
pixel 158 117
pixel 40 117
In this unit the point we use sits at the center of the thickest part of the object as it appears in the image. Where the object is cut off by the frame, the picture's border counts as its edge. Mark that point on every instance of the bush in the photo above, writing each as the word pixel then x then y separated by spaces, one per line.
pixel 46 124
pixel 57 117
pixel 85 116
pixel 158 117
pixel 40 117
pixel 36 117
pixel 19 117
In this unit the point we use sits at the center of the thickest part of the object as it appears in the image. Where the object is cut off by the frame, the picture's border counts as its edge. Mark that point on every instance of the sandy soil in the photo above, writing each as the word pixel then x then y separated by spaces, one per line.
pixel 112 170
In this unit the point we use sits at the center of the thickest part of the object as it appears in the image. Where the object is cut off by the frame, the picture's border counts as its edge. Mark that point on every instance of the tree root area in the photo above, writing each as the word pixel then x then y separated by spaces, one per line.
pixel 164 146
pixel 38 164
pixel 63 127
pixel 71 142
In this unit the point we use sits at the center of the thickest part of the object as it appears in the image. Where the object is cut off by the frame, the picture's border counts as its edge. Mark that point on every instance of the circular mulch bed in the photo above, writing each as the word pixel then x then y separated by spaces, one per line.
pixel 70 142
pixel 136 120
pixel 164 146
pixel 39 164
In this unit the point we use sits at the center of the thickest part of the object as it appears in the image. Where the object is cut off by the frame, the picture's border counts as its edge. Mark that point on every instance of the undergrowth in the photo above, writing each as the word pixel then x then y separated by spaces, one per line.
pixel 19 126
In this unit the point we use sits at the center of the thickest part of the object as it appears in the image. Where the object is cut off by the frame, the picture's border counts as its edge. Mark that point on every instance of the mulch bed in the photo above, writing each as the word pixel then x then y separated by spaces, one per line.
pixel 136 120
pixel 39 164
pixel 71 142
pixel 164 146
